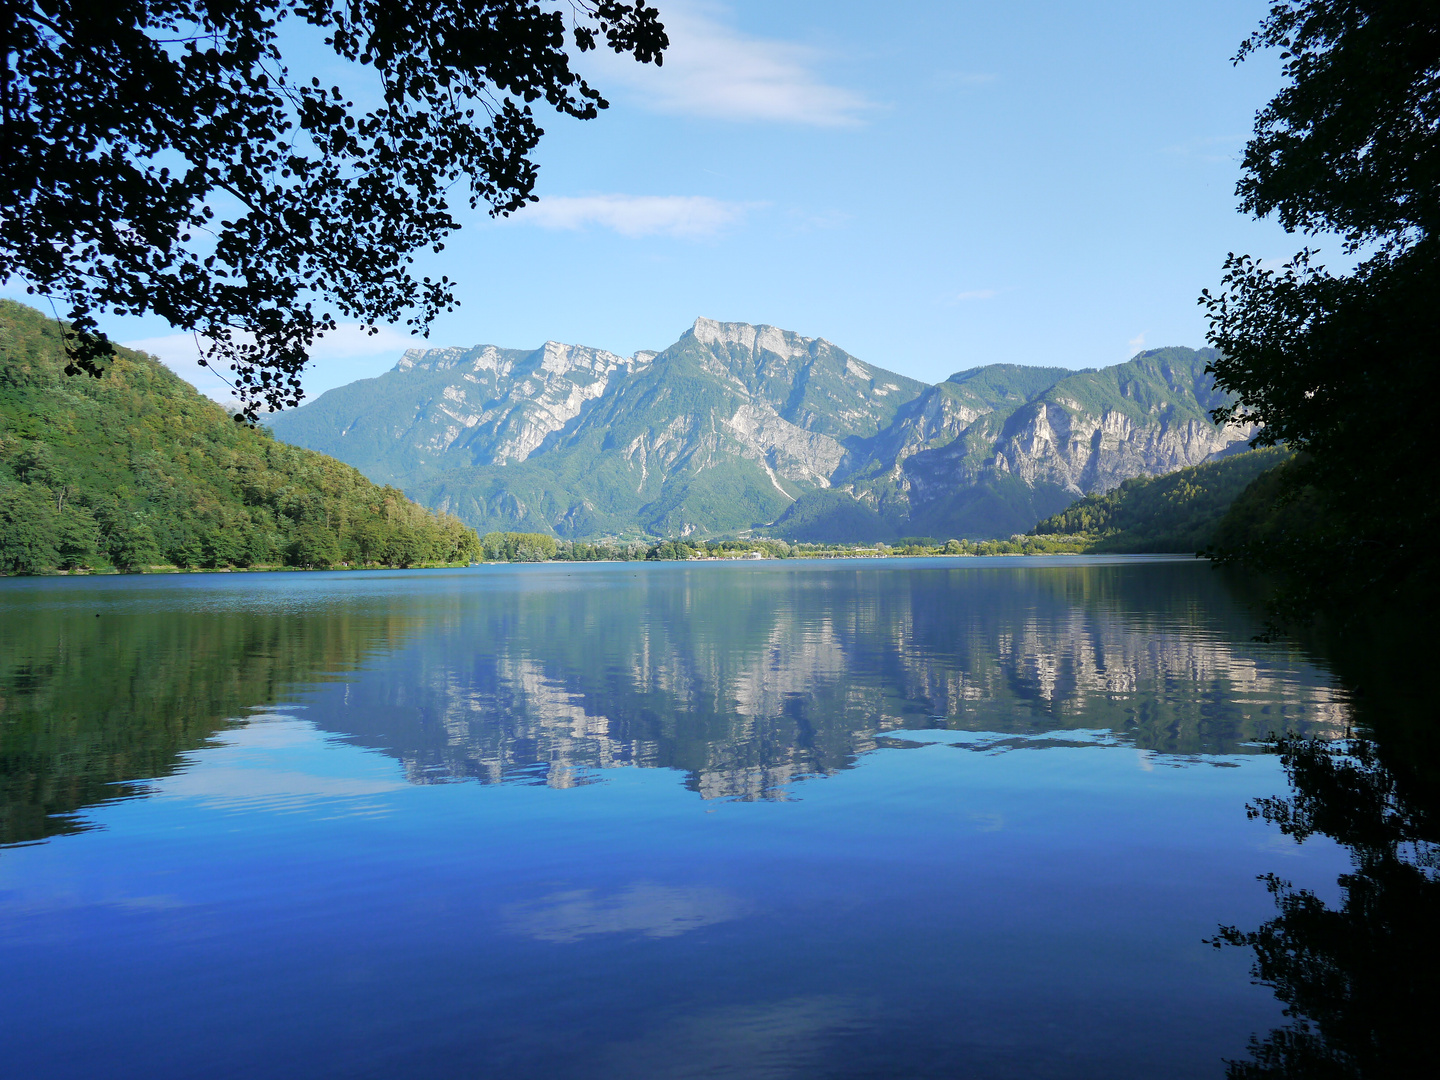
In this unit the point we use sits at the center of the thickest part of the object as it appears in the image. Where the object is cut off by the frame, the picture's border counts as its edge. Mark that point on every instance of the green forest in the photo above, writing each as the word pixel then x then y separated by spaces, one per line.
pixel 1180 511
pixel 137 471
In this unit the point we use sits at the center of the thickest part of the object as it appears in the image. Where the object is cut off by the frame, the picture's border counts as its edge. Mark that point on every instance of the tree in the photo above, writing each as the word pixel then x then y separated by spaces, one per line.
pixel 27 529
pixel 77 537
pixel 220 547
pixel 160 157
pixel 370 541
pixel 1343 366
pixel 518 547
pixel 404 547
pixel 314 548
pixel 134 548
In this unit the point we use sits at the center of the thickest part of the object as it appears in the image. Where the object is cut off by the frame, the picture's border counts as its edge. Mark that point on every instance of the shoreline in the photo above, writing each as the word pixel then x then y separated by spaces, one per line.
pixel 164 570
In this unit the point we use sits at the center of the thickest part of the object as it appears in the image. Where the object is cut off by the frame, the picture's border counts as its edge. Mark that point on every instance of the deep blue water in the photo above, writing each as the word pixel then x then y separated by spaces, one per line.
pixel 908 818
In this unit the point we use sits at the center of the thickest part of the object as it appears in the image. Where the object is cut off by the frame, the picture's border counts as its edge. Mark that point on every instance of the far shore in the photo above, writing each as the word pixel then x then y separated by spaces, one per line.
pixel 165 569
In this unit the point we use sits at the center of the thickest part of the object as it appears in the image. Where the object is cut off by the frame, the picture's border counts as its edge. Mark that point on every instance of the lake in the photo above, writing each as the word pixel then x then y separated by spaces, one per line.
pixel 900 818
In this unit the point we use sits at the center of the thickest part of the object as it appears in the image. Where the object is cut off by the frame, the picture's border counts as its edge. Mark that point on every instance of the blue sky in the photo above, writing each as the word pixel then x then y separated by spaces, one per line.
pixel 930 185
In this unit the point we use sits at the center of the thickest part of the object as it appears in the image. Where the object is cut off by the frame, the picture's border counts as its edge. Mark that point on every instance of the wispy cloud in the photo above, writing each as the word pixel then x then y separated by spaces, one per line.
pixel 976 294
pixel 714 70
pixel 809 219
pixel 684 216
pixel 354 339
pixel 1209 148
pixel 1136 343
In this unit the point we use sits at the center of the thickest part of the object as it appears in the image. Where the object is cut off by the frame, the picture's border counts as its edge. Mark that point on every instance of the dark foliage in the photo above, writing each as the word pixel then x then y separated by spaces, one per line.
pixel 137 469
pixel 1351 144
pixel 159 156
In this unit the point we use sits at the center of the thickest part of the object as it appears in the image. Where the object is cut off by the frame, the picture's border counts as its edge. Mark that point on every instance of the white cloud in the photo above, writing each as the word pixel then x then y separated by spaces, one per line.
pixel 685 216
pixel 1136 343
pixel 354 339
pixel 266 786
pixel 715 71
pixel 1209 148
pixel 978 294
pixel 332 359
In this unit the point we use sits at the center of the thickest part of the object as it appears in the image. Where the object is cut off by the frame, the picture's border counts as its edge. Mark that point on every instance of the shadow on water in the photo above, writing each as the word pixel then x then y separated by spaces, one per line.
pixel 1359 980
pixel 742 677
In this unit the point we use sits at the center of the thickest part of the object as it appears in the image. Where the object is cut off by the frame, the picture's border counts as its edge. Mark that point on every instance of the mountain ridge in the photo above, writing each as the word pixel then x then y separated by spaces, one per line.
pixel 735 426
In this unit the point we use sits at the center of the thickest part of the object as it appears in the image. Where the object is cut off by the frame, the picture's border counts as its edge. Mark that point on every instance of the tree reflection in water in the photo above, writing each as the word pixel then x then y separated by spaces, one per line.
pixel 1358 980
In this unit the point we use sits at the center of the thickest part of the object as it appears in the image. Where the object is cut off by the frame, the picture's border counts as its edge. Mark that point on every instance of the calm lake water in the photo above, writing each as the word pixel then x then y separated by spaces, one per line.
pixel 912 818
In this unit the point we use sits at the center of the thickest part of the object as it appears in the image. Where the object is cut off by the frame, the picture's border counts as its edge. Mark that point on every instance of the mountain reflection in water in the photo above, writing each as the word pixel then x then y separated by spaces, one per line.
pixel 103 686
pixel 743 677
pixel 747 680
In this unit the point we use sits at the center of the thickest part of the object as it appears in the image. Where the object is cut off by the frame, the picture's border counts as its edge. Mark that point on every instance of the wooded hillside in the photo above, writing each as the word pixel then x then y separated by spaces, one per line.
pixel 136 470
pixel 1181 511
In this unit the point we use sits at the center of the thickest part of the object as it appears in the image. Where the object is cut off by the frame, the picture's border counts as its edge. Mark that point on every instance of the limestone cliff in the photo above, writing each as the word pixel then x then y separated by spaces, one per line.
pixel 988 451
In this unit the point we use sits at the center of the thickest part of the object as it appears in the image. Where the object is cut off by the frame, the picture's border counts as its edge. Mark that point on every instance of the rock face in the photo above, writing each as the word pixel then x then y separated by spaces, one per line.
pixel 736 426
pixel 993 450
pixel 450 407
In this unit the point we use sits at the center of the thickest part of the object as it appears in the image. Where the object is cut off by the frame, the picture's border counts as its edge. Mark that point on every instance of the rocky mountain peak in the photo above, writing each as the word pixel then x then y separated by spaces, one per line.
pixel 739 422
pixel 712 332
pixel 432 359
pixel 751 339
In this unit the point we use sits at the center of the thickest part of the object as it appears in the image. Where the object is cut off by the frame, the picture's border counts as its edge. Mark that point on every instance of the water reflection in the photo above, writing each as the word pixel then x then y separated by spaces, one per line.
pixel 1016 882
pixel 657 911
pixel 1353 976
pixel 742 677
pixel 93 702
pixel 788 1038
pixel 746 680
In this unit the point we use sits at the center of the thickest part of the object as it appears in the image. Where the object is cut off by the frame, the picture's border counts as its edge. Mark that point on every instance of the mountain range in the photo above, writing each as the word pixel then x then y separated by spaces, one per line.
pixel 738 427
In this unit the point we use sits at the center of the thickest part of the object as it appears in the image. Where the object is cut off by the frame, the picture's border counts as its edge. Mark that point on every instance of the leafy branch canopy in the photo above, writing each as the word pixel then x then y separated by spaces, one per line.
pixel 159 156
pixel 1349 145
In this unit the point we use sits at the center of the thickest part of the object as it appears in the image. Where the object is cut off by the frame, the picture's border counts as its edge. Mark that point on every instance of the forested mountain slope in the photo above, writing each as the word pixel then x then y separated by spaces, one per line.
pixel 737 426
pixel 136 469
pixel 1183 511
